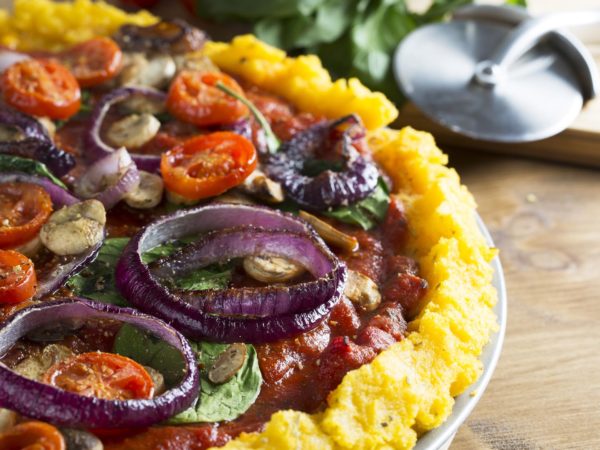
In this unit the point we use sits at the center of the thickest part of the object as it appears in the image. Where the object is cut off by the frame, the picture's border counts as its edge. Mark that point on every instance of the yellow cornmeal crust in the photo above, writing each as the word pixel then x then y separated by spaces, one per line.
pixel 409 388
pixel 48 25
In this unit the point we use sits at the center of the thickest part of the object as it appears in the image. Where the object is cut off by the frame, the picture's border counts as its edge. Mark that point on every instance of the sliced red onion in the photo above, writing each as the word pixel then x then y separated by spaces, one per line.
pixel 36 144
pixel 10 57
pixel 60 197
pixel 135 281
pixel 48 403
pixel 109 179
pixel 98 148
pixel 52 277
pixel 223 245
pixel 327 189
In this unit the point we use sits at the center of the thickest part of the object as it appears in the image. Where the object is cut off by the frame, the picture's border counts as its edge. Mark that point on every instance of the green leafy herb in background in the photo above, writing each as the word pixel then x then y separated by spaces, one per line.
pixel 366 213
pixel 352 37
pixel 97 281
pixel 9 163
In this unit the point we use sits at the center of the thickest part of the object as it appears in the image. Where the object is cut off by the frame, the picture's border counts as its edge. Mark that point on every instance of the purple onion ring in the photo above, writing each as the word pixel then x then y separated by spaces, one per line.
pixel 37 143
pixel 136 283
pixel 327 189
pixel 48 403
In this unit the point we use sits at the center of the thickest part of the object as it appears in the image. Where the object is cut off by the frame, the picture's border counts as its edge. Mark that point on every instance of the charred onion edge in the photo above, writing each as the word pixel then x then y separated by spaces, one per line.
pixel 48 403
pixel 136 283
pixel 37 143
pixel 98 148
pixel 263 301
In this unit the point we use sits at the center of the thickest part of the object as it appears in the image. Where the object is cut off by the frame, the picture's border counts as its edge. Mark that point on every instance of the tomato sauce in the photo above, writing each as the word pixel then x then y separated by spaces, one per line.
pixel 349 338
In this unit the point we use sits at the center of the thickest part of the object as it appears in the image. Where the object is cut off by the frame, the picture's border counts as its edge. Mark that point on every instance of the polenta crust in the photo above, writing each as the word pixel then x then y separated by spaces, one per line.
pixel 409 388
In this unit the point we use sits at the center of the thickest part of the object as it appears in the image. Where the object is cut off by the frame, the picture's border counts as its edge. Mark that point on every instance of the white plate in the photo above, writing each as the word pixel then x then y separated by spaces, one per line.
pixel 441 437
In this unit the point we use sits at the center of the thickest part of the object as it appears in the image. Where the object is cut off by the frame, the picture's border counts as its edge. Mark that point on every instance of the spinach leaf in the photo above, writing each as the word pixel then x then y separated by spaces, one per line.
pixel 86 102
pixel 366 213
pixel 97 281
pixel 152 351
pixel 9 163
pixel 225 401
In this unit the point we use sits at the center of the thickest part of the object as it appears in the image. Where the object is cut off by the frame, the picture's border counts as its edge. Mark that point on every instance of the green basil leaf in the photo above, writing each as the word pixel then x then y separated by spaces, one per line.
pixel 151 351
pixel 9 163
pixel 522 3
pixel 240 10
pixel 225 401
pixel 366 213
pixel 97 281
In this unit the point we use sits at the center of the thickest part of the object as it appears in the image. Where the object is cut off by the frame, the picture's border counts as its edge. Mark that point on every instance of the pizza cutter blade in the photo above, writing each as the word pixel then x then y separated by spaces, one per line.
pixel 494 74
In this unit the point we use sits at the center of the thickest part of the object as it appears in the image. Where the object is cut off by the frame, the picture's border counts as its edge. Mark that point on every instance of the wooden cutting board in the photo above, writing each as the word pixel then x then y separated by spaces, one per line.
pixel 580 143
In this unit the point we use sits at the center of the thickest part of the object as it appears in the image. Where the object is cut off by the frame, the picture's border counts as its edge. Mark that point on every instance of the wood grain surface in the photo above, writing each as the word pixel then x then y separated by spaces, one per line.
pixel 545 218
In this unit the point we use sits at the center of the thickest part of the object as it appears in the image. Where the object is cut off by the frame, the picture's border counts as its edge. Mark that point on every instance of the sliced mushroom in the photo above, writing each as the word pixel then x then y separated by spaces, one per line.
pixel 49 125
pixel 234 197
pixel 157 379
pixel 9 133
pixel 149 192
pixel 37 365
pixel 141 104
pixel 261 186
pixel 196 62
pixel 272 269
pixel 177 199
pixel 80 440
pixel 155 71
pixel 73 229
pixel 133 131
pixel 8 419
pixel 31 247
pixel 228 363
pixel 330 234
pixel 363 291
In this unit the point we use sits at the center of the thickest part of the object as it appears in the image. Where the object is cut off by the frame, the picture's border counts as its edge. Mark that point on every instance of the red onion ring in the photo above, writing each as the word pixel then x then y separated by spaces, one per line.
pixel 136 283
pixel 10 57
pixel 116 164
pixel 98 148
pixel 60 197
pixel 37 143
pixel 222 245
pixel 48 403
pixel 328 189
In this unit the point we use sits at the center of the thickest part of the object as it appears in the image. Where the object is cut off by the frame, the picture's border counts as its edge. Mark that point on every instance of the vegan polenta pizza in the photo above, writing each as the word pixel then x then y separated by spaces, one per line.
pixel 212 244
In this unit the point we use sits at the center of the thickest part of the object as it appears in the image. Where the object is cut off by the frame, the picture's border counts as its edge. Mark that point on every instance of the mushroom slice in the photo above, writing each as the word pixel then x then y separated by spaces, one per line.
pixel 363 291
pixel 141 71
pixel 149 192
pixel 196 62
pixel 261 186
pixel 73 229
pixel 157 379
pixel 37 365
pixel 133 131
pixel 80 440
pixel 228 363
pixel 9 133
pixel 330 234
pixel 272 269
pixel 48 124
pixel 8 419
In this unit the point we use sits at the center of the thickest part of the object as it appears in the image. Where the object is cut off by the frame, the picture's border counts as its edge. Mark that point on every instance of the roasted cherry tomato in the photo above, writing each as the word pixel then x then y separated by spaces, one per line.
pixel 24 208
pixel 208 165
pixel 94 61
pixel 41 87
pixel 17 277
pixel 194 98
pixel 101 375
pixel 32 436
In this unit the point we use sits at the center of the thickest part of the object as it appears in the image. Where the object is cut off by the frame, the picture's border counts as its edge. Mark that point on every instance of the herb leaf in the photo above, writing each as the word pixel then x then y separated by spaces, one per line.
pixel 9 163
pixel 366 213
pixel 97 281
pixel 225 401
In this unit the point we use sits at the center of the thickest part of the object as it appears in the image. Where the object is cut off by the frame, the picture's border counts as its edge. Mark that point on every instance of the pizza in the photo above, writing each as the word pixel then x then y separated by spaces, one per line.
pixel 208 244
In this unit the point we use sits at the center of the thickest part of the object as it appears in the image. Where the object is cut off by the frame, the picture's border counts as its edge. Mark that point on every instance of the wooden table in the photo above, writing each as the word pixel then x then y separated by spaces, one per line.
pixel 545 218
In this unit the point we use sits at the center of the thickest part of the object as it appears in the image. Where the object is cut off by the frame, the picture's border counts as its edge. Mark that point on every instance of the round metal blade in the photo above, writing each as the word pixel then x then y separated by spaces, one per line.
pixel 435 66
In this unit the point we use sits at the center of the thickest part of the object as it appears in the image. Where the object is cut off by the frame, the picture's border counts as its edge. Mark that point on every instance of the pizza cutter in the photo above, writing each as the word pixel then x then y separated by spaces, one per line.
pixel 495 73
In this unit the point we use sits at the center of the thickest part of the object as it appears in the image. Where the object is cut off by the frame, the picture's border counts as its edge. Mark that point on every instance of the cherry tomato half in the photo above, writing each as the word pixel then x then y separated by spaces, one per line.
pixel 94 61
pixel 17 277
pixel 194 98
pixel 24 208
pixel 101 375
pixel 41 87
pixel 208 165
pixel 32 436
